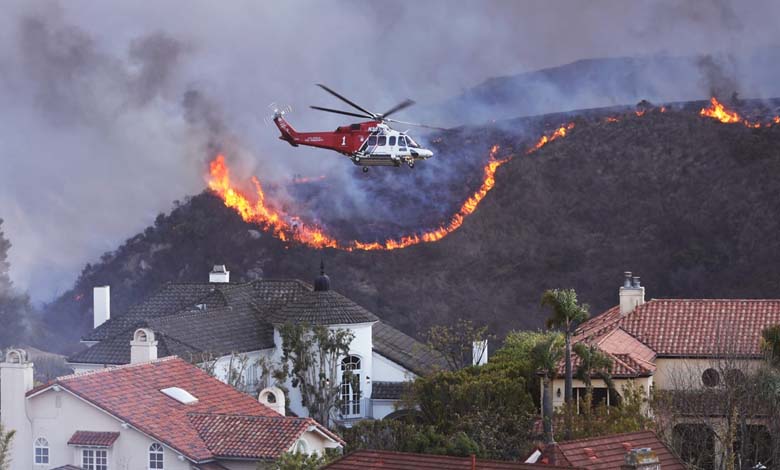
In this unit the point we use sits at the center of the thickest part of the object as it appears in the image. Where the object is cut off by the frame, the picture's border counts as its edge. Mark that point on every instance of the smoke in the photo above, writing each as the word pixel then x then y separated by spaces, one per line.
pixel 110 110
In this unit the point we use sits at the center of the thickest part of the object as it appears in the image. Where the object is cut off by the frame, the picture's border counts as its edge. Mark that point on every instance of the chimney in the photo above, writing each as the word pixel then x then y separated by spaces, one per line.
pixel 632 294
pixel 101 305
pixel 219 274
pixel 143 347
pixel 479 352
pixel 641 459
pixel 273 398
pixel 16 379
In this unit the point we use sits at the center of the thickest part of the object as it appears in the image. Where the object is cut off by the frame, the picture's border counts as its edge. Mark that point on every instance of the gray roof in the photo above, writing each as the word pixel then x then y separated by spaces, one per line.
pixel 388 390
pixel 324 308
pixel 217 319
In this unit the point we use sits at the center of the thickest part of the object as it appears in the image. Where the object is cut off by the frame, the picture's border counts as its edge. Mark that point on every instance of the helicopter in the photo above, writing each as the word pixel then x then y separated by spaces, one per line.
pixel 369 143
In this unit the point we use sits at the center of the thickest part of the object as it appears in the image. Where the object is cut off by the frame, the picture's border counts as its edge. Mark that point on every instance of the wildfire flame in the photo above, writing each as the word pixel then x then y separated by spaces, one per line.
pixel 718 111
pixel 290 228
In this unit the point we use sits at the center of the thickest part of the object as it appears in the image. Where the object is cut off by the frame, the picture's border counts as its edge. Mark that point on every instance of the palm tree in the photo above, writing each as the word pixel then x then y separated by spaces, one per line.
pixel 6 437
pixel 593 363
pixel 546 356
pixel 567 314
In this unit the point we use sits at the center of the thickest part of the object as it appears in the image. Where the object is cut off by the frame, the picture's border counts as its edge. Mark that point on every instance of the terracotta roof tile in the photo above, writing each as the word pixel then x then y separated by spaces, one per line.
pixel 93 439
pixel 132 394
pixel 386 460
pixel 609 452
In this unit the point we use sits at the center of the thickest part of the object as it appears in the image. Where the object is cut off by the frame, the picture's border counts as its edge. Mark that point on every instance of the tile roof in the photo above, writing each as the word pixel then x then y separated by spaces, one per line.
pixel 691 327
pixel 323 308
pixel 387 460
pixel 388 390
pixel 251 437
pixel 132 394
pixel 405 350
pixel 609 452
pixel 93 439
pixel 238 318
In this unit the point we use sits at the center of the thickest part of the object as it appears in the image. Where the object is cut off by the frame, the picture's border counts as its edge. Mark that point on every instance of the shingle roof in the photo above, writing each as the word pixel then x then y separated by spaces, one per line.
pixel 388 390
pixel 251 437
pixel 609 452
pixel 692 327
pixel 386 460
pixel 323 308
pixel 67 467
pixel 93 439
pixel 132 394
pixel 405 350
pixel 238 318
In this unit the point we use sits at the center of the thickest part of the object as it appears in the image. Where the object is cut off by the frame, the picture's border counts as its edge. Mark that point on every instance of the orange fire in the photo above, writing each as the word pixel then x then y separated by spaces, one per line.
pixel 640 113
pixel 720 112
pixel 546 139
pixel 289 228
pixel 611 119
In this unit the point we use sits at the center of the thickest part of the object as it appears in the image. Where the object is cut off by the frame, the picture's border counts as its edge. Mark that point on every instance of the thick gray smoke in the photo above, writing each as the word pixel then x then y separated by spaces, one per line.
pixel 109 110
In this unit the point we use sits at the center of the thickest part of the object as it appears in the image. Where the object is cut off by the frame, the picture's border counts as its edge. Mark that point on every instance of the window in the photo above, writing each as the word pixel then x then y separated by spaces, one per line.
pixel 382 140
pixel 41 451
pixel 710 378
pixel 156 456
pixel 734 378
pixel 411 142
pixel 401 141
pixel 94 459
pixel 350 386
pixel 392 141
pixel 372 141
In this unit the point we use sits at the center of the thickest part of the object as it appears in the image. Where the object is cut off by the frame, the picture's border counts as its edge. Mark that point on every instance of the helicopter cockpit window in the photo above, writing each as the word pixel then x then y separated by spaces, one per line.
pixel 382 140
pixel 355 127
pixel 412 143
pixel 392 141
pixel 372 141
pixel 401 141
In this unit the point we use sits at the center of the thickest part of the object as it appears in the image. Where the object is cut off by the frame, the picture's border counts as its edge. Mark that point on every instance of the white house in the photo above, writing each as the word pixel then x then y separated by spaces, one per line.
pixel 223 322
pixel 156 414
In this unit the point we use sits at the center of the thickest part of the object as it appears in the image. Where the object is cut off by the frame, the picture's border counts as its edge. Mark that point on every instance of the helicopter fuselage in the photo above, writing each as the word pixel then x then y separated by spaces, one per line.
pixel 369 143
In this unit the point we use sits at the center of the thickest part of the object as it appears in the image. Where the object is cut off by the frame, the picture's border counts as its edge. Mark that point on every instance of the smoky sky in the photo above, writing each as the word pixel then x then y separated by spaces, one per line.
pixel 110 110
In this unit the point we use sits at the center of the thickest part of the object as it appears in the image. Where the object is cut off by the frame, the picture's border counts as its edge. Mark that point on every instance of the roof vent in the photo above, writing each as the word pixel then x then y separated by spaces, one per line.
pixel 179 394
pixel 219 274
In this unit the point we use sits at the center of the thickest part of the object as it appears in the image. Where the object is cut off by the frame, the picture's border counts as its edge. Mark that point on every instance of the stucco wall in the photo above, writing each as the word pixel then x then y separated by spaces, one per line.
pixel 387 371
pixel 686 373
pixel 645 382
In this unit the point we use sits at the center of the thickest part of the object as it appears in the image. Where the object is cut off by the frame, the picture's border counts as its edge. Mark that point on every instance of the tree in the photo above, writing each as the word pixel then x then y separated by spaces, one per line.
pixel 456 343
pixel 6 439
pixel 518 350
pixel 546 356
pixel 567 314
pixel 299 461
pixel 14 307
pixel 311 358
pixel 593 362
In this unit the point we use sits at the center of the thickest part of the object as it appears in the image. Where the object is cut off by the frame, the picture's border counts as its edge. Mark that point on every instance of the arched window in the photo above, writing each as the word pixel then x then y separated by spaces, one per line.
pixel 41 451
pixel 350 386
pixel 156 457
pixel 301 447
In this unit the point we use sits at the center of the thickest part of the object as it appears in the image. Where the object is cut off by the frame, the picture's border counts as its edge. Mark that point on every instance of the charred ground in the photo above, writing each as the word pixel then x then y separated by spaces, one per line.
pixel 688 203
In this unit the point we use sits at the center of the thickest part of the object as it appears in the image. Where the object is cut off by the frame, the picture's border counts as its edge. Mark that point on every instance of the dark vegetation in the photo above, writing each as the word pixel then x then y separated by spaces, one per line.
pixel 686 202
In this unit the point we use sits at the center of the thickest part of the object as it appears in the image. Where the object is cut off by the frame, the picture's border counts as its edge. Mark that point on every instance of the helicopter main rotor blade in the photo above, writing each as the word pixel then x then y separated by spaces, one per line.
pixel 373 115
pixel 417 125
pixel 346 113
pixel 403 105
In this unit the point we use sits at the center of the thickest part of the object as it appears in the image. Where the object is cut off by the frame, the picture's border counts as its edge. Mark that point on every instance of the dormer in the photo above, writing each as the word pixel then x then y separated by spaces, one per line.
pixel 143 347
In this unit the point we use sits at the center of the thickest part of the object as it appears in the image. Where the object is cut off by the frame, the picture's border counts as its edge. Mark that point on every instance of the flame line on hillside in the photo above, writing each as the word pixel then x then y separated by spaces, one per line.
pixel 289 228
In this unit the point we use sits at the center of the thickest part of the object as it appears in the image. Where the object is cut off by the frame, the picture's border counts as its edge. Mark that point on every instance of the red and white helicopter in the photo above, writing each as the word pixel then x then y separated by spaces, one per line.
pixel 370 143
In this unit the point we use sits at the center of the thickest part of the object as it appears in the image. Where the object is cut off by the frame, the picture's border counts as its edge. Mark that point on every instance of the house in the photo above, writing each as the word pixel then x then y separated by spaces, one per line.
pixel 640 449
pixel 157 414
pixel 688 350
pixel 387 460
pixel 234 326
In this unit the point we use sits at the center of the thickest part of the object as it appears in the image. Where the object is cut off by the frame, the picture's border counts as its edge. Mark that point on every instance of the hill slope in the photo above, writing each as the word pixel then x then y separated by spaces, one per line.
pixel 688 203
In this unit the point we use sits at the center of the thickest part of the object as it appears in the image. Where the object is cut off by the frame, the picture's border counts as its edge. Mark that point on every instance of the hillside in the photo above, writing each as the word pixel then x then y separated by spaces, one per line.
pixel 686 202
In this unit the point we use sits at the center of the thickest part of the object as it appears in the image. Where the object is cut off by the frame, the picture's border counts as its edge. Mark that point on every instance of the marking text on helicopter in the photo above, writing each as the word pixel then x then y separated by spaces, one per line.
pixel 370 143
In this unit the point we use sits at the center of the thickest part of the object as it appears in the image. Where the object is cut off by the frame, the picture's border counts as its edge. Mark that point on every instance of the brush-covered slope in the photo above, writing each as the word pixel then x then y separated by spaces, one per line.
pixel 688 203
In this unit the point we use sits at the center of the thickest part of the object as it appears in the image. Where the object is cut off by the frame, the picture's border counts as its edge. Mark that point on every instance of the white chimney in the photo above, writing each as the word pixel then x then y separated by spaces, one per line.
pixel 101 305
pixel 219 274
pixel 16 379
pixel 632 294
pixel 143 347
pixel 273 398
pixel 479 352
